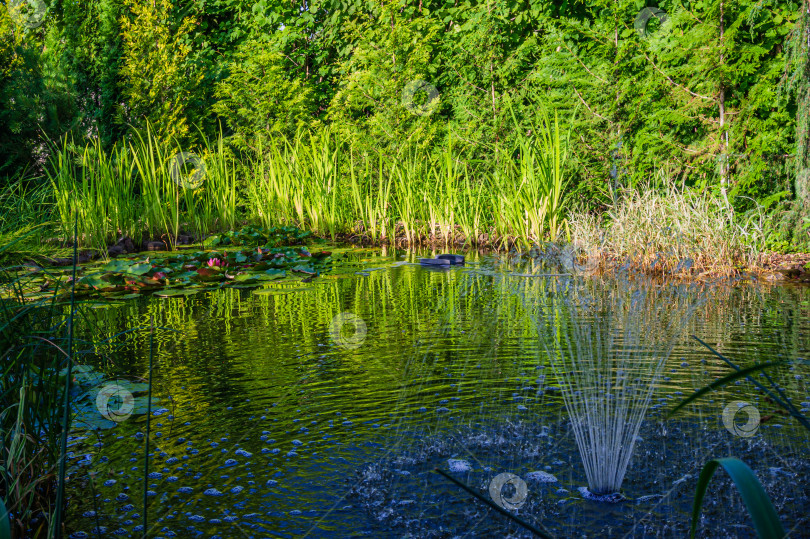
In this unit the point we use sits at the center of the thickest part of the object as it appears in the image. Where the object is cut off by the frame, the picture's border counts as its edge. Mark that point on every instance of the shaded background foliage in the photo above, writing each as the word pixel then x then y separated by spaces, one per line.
pixel 710 97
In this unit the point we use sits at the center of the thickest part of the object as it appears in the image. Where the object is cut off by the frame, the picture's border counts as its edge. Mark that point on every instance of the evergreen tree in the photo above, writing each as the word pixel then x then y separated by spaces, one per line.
pixel 157 81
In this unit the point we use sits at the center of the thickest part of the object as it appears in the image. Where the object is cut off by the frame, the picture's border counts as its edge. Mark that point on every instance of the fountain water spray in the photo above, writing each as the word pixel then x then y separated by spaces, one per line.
pixel 607 343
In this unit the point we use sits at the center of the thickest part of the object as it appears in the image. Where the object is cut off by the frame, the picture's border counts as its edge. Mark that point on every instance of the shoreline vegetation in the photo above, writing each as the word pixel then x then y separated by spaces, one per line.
pixel 143 195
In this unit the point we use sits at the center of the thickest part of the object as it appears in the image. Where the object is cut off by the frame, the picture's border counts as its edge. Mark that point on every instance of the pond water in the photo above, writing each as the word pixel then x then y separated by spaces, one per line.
pixel 268 423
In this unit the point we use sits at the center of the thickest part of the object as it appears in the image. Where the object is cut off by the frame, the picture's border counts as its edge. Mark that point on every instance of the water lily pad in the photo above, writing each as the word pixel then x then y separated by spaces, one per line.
pixel 304 269
pixel 245 278
pixel 95 281
pixel 77 369
pixel 176 292
pixel 132 387
pixel 275 273
pixel 88 378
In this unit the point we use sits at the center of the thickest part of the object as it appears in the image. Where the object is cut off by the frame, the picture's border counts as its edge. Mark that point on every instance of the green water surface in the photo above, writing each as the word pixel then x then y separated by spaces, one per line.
pixel 306 429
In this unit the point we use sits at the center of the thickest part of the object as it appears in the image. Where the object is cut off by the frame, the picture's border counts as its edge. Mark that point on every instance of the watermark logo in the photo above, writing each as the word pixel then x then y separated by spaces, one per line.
pixel 179 170
pixel 504 499
pixel 580 257
pixel 115 403
pixel 642 23
pixel 343 336
pixel 28 13
pixel 420 97
pixel 751 425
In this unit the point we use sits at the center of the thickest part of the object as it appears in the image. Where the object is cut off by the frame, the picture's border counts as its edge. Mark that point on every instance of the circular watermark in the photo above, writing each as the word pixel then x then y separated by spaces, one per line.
pixel 417 88
pixel 179 165
pixel 517 498
pixel 751 425
pixel 356 338
pixel 118 395
pixel 580 257
pixel 645 15
pixel 28 13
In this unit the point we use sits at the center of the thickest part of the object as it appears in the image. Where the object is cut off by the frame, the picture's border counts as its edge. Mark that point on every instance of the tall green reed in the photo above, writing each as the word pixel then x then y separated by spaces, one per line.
pixel 316 180
pixel 372 198
pixel 142 188
pixel 316 166
pixel 96 189
pixel 530 186
pixel 26 206
pixel 34 351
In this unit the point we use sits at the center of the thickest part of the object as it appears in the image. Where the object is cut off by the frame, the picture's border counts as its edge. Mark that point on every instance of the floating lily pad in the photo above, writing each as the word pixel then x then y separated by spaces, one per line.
pixel 129 277
pixel 88 378
pixel 105 305
pixel 176 292
pixel 77 369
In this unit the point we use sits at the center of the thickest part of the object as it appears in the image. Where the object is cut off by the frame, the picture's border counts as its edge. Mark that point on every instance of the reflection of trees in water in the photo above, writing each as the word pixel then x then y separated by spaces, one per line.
pixel 417 320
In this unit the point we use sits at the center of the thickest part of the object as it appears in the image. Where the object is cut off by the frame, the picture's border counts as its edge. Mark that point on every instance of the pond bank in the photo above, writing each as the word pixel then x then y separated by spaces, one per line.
pixel 576 256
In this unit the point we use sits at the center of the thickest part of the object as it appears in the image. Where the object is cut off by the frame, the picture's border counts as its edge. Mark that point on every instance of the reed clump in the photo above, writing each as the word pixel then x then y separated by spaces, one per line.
pixel 317 181
pixel 32 384
pixel 141 188
pixel 671 231
pixel 321 183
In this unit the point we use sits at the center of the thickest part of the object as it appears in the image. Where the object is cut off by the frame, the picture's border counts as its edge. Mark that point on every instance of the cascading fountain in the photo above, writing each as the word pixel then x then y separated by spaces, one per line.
pixel 607 343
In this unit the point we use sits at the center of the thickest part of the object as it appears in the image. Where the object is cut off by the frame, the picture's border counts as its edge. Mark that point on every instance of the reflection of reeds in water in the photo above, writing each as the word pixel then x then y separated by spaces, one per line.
pixel 607 343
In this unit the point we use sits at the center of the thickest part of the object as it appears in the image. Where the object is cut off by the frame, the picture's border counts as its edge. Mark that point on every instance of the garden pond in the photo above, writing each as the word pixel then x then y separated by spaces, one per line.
pixel 317 400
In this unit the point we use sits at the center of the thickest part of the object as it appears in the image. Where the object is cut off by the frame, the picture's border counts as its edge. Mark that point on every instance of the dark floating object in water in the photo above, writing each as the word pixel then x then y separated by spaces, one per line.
pixel 434 262
pixel 443 260
pixel 454 259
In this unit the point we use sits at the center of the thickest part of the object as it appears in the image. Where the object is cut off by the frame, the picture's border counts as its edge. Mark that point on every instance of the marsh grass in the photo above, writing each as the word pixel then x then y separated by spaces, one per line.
pixel 130 191
pixel 671 231
pixel 96 189
pixel 319 182
pixel 38 350
pixel 26 206
pixel 513 192
pixel 31 393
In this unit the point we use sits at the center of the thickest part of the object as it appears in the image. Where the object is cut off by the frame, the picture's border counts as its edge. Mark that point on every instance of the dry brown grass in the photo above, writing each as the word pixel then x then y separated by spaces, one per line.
pixel 675 232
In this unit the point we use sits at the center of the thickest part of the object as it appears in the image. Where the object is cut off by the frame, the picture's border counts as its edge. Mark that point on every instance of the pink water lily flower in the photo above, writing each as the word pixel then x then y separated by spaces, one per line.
pixel 212 262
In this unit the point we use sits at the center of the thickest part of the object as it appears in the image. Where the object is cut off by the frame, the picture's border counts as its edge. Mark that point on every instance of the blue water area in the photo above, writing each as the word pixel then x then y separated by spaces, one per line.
pixel 322 409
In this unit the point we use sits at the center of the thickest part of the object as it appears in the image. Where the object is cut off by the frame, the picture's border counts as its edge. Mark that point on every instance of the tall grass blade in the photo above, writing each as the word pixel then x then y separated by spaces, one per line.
pixel 5 523
pixel 501 510
pixel 60 492
pixel 722 382
pixel 759 506
pixel 148 424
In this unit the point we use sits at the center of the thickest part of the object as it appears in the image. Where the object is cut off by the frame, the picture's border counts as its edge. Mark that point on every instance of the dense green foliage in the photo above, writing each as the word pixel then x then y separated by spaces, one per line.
pixel 707 95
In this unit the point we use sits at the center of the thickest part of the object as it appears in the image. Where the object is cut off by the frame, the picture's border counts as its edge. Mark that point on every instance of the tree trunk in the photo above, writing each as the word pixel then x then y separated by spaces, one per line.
pixel 803 115
pixel 723 129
